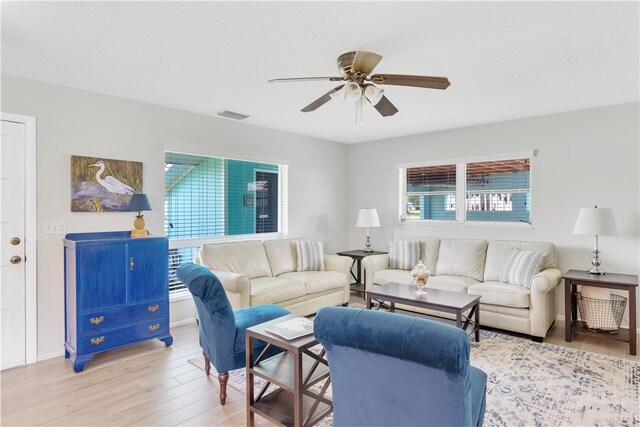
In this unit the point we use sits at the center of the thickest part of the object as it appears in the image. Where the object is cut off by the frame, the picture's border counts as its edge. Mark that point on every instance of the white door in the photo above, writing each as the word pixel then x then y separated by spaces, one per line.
pixel 12 257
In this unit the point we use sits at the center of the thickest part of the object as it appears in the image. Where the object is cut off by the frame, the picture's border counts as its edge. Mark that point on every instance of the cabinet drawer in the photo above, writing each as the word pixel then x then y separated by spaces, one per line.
pixel 110 318
pixel 104 340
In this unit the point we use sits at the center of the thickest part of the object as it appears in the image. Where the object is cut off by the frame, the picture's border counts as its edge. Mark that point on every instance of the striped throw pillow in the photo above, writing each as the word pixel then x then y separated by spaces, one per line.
pixel 403 254
pixel 310 256
pixel 521 267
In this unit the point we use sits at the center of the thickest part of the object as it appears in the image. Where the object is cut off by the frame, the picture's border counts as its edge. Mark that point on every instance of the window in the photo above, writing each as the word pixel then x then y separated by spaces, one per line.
pixel 209 198
pixel 487 191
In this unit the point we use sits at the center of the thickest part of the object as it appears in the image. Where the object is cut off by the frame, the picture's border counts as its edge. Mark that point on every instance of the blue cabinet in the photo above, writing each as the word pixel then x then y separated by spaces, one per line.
pixel 116 292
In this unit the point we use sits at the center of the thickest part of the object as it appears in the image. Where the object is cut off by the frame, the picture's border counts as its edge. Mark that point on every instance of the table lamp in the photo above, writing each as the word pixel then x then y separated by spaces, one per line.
pixel 368 218
pixel 139 202
pixel 596 222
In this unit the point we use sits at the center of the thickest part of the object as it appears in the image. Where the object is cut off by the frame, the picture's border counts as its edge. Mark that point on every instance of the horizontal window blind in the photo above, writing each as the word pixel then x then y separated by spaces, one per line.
pixel 209 197
pixel 430 190
pixel 491 191
pixel 498 191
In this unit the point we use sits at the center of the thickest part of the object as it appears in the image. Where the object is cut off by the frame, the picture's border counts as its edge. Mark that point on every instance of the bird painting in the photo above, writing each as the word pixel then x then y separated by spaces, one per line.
pixel 110 183
pixel 107 189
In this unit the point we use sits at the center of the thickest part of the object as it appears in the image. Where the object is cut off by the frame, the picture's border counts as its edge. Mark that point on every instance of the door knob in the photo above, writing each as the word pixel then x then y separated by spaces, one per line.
pixel 15 241
pixel 15 259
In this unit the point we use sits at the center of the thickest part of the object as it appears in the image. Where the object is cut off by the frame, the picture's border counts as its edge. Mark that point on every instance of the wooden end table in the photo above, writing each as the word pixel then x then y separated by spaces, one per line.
pixel 625 282
pixel 295 371
pixel 357 255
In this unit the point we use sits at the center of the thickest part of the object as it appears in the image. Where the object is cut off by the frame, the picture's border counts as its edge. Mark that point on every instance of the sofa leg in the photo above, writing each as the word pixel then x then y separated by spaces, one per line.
pixel 207 364
pixel 536 339
pixel 346 304
pixel 223 378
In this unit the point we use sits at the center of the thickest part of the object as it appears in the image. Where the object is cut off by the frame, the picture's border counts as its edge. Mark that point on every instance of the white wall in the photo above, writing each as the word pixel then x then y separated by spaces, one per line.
pixel 583 158
pixel 76 122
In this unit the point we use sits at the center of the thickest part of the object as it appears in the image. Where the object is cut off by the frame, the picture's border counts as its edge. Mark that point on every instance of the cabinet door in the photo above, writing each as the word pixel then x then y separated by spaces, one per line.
pixel 148 267
pixel 102 275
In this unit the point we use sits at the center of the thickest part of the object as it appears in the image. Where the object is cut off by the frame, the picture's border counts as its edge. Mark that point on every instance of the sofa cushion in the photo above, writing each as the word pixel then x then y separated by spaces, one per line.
pixel 318 281
pixel 462 258
pixel 498 252
pixel 429 251
pixel 272 290
pixel 521 267
pixel 403 254
pixel 382 277
pixel 309 256
pixel 499 293
pixel 450 283
pixel 281 255
pixel 248 258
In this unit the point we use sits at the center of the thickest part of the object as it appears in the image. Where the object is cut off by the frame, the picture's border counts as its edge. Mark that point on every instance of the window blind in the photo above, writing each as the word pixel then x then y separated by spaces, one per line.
pixel 431 192
pixel 498 191
pixel 211 197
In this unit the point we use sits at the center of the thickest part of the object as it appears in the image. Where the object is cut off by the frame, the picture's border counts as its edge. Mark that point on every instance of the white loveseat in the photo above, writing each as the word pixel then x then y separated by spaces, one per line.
pixel 474 267
pixel 256 272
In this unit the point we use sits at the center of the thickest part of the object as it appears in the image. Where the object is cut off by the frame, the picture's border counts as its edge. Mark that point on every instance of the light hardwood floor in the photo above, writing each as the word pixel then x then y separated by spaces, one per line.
pixel 150 384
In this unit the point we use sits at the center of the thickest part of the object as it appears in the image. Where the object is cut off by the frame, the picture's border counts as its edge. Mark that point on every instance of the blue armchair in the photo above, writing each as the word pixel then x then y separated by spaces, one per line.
pixel 222 329
pixel 390 369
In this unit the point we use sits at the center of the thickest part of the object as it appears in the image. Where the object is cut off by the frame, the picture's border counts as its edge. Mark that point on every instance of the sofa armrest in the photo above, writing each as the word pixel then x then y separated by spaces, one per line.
pixel 542 311
pixel 237 286
pixel 338 263
pixel 370 265
pixel 546 280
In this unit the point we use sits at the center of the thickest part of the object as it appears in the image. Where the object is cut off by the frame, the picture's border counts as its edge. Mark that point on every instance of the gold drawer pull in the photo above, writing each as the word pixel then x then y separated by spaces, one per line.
pixel 97 341
pixel 154 328
pixel 96 320
pixel 154 308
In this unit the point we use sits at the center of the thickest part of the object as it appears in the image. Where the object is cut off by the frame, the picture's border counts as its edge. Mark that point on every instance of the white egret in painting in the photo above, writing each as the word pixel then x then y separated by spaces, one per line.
pixel 110 183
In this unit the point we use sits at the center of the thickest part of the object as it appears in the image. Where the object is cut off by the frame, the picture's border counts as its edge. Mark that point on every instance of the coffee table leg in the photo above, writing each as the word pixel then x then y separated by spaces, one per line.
pixel 392 306
pixel 459 319
pixel 249 367
pixel 478 322
pixel 368 302
pixel 632 321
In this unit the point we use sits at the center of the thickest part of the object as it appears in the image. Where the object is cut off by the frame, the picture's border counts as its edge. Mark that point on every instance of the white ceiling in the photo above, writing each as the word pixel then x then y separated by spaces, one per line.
pixel 505 60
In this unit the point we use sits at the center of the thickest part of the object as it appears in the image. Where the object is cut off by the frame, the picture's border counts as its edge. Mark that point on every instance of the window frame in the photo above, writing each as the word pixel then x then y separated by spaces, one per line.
pixel 461 191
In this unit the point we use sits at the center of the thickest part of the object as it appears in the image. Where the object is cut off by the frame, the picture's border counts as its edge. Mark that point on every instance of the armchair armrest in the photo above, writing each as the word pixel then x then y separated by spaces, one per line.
pixel 371 264
pixel 237 286
pixel 338 263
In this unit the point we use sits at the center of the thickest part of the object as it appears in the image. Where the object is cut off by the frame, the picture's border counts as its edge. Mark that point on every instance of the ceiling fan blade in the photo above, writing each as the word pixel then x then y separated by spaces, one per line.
pixel 365 62
pixel 306 79
pixel 385 107
pixel 321 101
pixel 414 81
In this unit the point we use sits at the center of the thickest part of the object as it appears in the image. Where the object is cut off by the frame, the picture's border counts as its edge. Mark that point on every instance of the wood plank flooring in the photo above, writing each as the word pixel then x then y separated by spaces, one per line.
pixel 150 384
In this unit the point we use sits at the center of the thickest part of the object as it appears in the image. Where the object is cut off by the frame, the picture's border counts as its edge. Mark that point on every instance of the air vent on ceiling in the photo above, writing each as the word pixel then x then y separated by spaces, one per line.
pixel 232 115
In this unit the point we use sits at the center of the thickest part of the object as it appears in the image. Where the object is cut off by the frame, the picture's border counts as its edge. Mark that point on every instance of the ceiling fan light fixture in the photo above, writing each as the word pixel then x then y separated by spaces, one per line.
pixel 353 92
pixel 373 94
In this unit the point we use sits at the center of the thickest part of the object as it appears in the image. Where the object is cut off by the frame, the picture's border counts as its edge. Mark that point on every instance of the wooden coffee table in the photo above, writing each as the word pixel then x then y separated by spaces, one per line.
pixel 294 371
pixel 435 299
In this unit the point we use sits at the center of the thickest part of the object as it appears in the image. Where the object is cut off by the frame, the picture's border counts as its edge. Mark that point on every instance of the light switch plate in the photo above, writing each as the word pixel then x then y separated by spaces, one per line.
pixel 54 227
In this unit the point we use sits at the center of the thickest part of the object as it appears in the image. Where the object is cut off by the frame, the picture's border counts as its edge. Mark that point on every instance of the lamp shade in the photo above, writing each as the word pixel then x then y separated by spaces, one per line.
pixel 595 222
pixel 139 202
pixel 368 218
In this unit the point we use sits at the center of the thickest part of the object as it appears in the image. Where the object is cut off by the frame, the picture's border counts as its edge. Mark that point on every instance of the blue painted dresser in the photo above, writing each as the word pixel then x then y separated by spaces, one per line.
pixel 116 292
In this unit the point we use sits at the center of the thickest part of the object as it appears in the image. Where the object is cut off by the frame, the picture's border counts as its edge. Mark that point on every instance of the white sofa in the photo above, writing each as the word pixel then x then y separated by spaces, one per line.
pixel 256 272
pixel 474 267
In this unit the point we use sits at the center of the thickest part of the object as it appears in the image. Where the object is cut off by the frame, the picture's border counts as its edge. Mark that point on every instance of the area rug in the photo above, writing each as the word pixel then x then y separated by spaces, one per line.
pixel 539 384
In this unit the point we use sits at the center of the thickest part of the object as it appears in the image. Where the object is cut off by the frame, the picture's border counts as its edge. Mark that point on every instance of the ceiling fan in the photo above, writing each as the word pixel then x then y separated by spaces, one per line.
pixel 359 87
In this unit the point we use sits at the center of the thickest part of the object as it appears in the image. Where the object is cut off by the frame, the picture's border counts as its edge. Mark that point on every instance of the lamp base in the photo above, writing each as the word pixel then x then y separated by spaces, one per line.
pixel 139 233
pixel 367 245
pixel 596 263
pixel 596 270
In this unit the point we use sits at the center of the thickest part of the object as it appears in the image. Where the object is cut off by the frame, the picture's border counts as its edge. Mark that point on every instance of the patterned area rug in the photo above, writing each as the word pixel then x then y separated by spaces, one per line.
pixel 533 384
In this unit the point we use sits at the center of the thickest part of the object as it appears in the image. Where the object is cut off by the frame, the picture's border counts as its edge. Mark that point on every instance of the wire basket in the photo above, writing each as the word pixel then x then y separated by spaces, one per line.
pixel 602 315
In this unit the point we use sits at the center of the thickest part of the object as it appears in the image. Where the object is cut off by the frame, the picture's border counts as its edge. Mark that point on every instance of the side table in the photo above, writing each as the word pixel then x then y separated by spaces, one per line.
pixel 625 282
pixel 295 372
pixel 357 256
